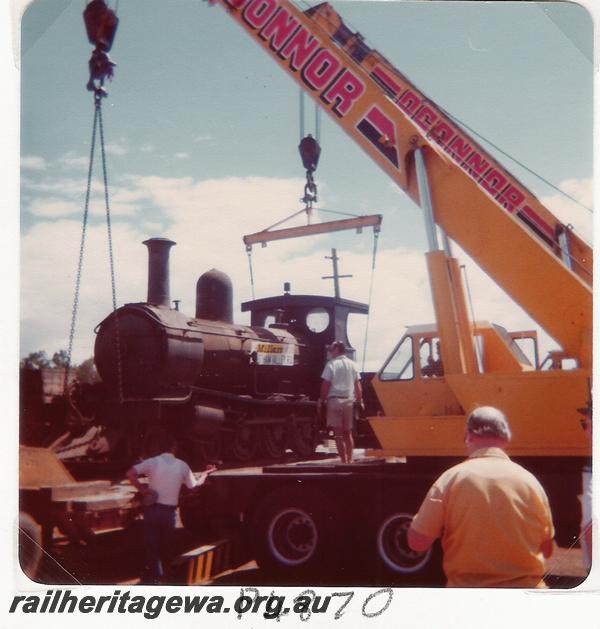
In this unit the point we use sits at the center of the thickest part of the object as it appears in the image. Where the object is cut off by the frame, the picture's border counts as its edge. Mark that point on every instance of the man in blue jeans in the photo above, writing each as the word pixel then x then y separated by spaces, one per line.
pixel 166 474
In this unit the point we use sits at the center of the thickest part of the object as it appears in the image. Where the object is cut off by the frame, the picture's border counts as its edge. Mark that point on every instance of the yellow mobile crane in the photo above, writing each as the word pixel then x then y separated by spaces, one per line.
pixel 540 262
pixel 467 197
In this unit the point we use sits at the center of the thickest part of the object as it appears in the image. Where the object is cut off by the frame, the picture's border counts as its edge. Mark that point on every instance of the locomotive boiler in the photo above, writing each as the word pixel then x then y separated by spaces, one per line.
pixel 226 390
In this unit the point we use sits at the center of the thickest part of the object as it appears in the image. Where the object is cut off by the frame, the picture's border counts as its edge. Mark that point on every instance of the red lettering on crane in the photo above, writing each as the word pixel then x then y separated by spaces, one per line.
pixel 476 164
pixel 511 198
pixel 299 48
pixel 425 117
pixel 494 182
pixel 442 133
pixel 321 69
pixel 409 102
pixel 345 91
pixel 279 29
pixel 259 12
pixel 459 149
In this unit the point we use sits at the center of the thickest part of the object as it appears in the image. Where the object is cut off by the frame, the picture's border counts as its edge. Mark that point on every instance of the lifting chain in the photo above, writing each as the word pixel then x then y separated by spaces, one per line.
pixel 101 24
pixel 373 260
pixel 66 388
pixel 249 252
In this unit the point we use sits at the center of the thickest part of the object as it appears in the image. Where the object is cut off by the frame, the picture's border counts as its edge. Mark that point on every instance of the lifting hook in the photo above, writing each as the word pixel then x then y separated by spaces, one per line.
pixel 101 25
pixel 309 152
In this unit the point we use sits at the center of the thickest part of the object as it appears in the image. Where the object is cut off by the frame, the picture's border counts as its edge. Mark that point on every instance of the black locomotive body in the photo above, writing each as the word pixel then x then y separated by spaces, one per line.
pixel 226 390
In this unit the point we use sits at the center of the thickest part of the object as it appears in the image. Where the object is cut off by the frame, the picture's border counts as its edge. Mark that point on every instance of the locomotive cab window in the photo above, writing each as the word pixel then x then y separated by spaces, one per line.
pixel 401 364
pixel 317 320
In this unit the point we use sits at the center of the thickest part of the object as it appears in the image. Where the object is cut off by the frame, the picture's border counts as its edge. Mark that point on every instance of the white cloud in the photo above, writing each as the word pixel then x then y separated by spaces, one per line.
pixel 146 148
pixel 53 186
pixel 65 197
pixel 116 148
pixel 182 155
pixel 49 255
pixel 31 162
pixel 53 208
pixel 73 160
pixel 205 137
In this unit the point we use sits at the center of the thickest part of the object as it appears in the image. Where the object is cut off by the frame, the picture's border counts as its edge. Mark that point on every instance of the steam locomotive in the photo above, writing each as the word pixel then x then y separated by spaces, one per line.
pixel 226 391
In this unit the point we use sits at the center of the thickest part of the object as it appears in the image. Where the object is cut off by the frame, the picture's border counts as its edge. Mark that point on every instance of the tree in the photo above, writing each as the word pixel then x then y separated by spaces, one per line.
pixel 35 360
pixel 60 358
pixel 86 372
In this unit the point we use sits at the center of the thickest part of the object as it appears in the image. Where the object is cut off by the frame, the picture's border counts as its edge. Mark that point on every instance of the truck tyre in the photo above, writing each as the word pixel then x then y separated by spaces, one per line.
pixel 296 532
pixel 395 561
pixel 392 546
pixel 30 545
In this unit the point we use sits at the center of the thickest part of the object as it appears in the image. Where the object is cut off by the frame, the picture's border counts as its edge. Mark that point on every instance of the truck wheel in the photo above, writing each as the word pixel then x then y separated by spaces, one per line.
pixel 30 545
pixel 393 552
pixel 296 533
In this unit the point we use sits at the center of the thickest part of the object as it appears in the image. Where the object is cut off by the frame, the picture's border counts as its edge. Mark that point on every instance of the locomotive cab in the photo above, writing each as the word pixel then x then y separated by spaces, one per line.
pixel 319 319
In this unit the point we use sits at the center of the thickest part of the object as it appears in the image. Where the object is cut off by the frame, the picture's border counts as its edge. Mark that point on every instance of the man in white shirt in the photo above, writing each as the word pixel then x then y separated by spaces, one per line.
pixel 166 474
pixel 339 389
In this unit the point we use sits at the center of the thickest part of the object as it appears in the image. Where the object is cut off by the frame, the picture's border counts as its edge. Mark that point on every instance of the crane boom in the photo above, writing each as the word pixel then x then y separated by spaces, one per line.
pixel 536 259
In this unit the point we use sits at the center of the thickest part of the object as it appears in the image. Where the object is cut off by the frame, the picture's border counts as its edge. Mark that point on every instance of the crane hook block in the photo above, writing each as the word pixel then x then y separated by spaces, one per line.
pixel 309 152
pixel 101 24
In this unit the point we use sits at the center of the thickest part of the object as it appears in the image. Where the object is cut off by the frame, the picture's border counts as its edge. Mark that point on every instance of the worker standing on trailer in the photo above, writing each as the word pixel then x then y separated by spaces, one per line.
pixel 339 390
pixel 166 474
pixel 492 515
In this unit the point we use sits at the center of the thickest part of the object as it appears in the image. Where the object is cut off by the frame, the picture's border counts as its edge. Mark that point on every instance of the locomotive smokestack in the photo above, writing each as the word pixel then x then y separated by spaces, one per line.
pixel 158 270
pixel 214 297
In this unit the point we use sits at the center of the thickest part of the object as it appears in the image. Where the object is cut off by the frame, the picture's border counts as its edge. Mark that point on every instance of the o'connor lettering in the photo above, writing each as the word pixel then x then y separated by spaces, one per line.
pixel 321 67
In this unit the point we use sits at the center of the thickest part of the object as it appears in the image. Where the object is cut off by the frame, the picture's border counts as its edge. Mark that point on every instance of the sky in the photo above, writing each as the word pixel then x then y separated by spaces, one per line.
pixel 201 132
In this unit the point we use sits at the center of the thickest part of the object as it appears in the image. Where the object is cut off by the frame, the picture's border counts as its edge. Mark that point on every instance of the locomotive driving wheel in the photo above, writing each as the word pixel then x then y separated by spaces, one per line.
pixel 244 443
pixel 273 440
pixel 210 448
pixel 304 438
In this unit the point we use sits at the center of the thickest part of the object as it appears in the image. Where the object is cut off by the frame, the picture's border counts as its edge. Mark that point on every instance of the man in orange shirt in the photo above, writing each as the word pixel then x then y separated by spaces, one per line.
pixel 491 514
